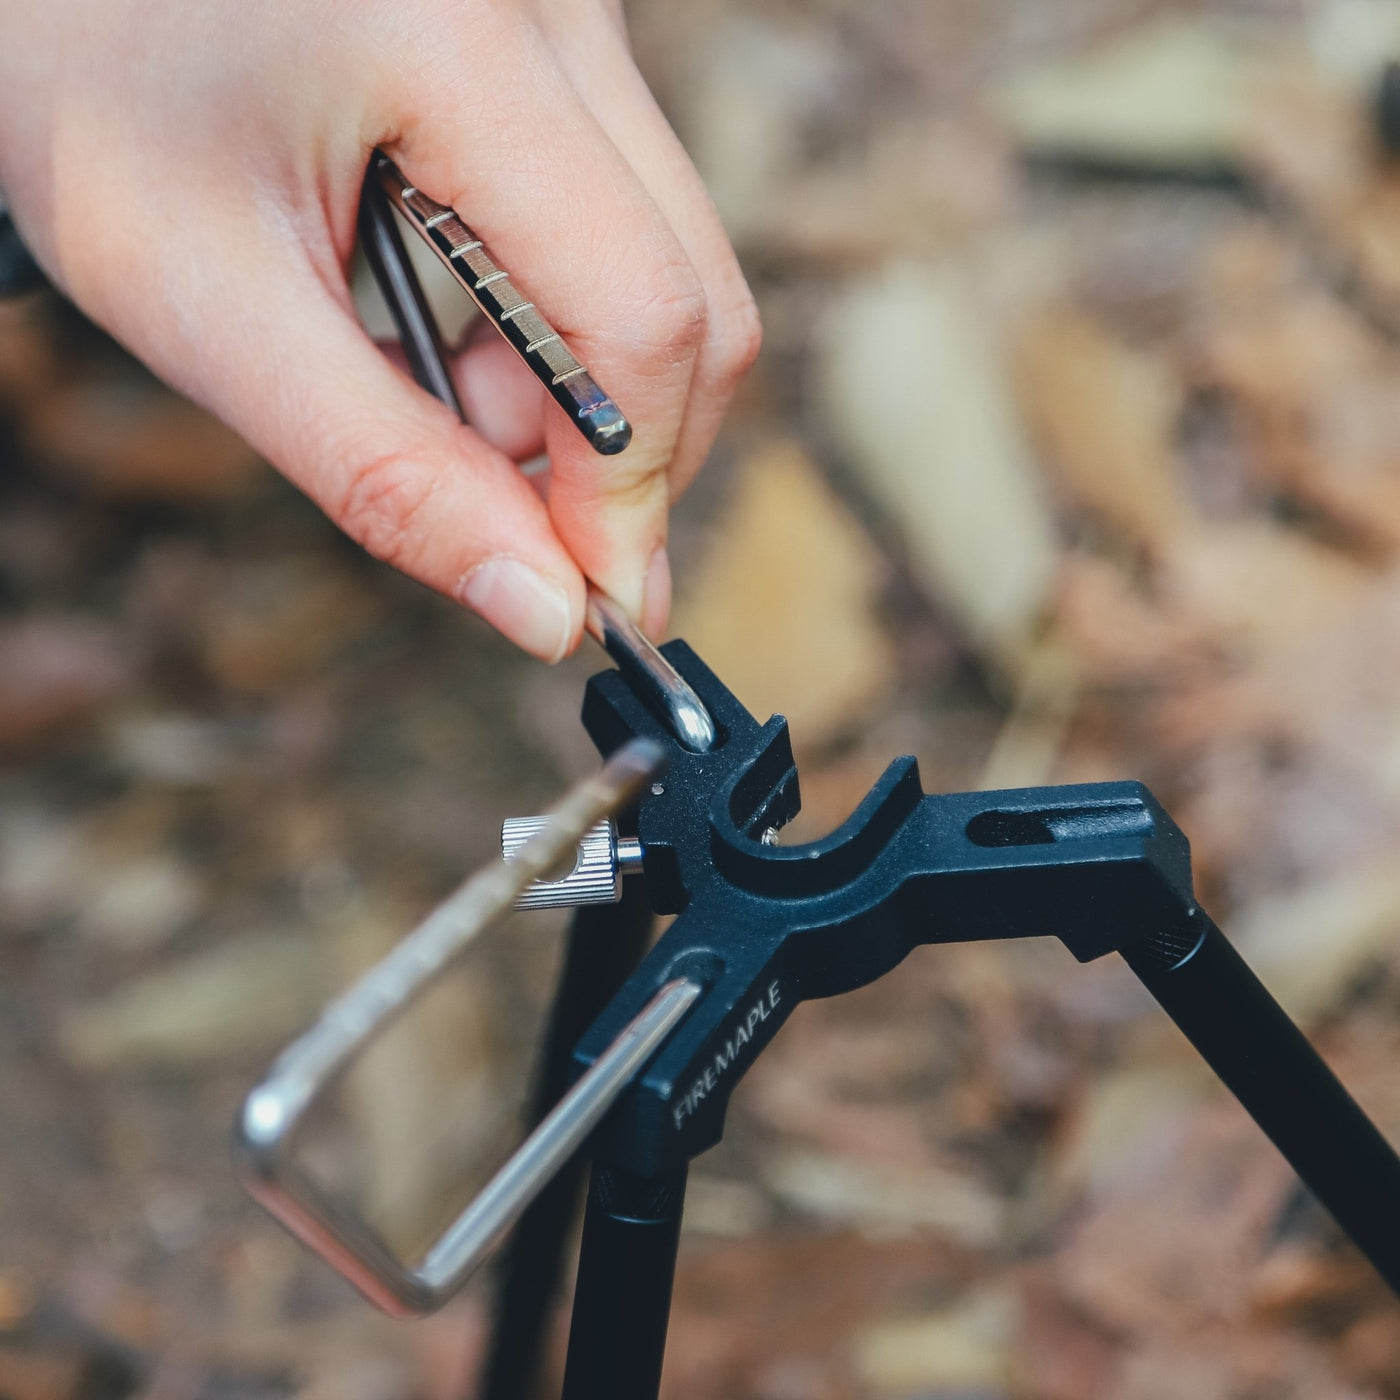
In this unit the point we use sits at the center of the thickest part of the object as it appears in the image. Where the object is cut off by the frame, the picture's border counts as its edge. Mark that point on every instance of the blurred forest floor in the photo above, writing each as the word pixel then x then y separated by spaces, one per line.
pixel 1073 454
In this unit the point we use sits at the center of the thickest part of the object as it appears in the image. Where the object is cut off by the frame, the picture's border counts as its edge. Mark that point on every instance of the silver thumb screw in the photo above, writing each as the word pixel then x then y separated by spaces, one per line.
pixel 604 858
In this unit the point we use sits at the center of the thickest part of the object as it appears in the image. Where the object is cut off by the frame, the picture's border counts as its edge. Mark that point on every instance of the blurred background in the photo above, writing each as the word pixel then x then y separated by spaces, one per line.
pixel 1073 454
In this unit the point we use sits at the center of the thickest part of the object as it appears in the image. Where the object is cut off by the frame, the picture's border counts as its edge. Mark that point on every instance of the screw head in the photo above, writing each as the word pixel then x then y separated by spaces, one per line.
pixel 595 879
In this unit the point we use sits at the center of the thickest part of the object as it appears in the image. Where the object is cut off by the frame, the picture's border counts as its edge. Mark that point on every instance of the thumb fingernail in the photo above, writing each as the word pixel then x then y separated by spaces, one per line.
pixel 520 603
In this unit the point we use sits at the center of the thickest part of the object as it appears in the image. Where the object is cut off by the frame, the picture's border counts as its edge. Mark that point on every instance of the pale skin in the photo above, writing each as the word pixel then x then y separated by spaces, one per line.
pixel 188 172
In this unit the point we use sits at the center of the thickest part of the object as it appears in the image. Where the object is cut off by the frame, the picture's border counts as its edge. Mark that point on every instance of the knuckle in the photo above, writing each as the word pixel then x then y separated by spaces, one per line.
pixel 736 338
pixel 383 504
pixel 98 274
pixel 637 484
pixel 668 321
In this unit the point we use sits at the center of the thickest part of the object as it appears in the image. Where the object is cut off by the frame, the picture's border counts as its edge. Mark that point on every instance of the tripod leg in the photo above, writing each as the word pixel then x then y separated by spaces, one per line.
pixel 1284 1084
pixel 622 1301
pixel 605 943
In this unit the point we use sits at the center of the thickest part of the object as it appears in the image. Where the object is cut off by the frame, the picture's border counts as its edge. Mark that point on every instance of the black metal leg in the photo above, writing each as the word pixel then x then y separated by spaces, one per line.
pixel 622 1302
pixel 605 944
pixel 1268 1064
pixel 393 272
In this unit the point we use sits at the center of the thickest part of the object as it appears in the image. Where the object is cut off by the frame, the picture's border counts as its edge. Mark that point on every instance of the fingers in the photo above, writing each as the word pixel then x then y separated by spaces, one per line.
pixel 502 399
pixel 593 52
pixel 396 471
pixel 266 341
pixel 539 181
pixel 244 306
pixel 217 253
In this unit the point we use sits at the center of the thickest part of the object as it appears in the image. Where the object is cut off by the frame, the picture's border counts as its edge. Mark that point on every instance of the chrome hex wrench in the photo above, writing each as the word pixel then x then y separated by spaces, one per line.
pixel 277 1108
pixel 541 348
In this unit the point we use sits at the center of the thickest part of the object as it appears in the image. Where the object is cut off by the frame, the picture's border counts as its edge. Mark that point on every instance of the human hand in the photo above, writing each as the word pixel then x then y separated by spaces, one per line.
pixel 189 174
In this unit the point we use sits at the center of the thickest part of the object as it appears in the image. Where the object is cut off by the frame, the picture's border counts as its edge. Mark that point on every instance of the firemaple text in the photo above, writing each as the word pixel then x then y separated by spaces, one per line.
pixel 725 1055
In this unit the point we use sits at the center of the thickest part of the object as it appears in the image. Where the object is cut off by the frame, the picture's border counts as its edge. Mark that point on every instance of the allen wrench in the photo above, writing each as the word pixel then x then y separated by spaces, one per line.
pixel 277 1108
pixel 544 353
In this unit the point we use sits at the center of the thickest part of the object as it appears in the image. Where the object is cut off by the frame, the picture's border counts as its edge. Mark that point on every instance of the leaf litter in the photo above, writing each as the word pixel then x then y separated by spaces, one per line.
pixel 1072 456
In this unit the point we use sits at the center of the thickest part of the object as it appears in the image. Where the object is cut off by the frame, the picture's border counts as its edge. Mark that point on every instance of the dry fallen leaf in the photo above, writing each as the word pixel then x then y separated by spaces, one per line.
pixel 965 1349
pixel 283 619
pixel 1258 588
pixel 55 673
pixel 914 389
pixel 1169 95
pixel 776 1315
pixel 1311 141
pixel 1116 631
pixel 1105 414
pixel 1313 382
pixel 845 1194
pixel 128 438
pixel 752 87
pixel 914 187
pixel 1327 681
pixel 1123 1122
pixel 1310 944
pixel 782 603
pixel 242 997
pixel 1171 1242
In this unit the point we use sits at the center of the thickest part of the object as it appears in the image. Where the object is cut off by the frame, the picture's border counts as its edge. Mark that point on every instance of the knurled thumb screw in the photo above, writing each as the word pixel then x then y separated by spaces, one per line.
pixel 604 858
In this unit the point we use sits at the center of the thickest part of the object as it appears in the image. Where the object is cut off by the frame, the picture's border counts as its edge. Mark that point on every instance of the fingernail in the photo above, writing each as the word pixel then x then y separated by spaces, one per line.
pixel 656 595
pixel 524 605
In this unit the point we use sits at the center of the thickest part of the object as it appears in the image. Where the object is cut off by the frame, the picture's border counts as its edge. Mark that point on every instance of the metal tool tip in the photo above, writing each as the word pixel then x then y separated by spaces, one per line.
pixel 696 728
pixel 608 431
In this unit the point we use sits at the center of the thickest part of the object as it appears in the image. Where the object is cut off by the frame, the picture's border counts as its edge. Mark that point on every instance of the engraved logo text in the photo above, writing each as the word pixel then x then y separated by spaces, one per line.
pixel 726 1055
